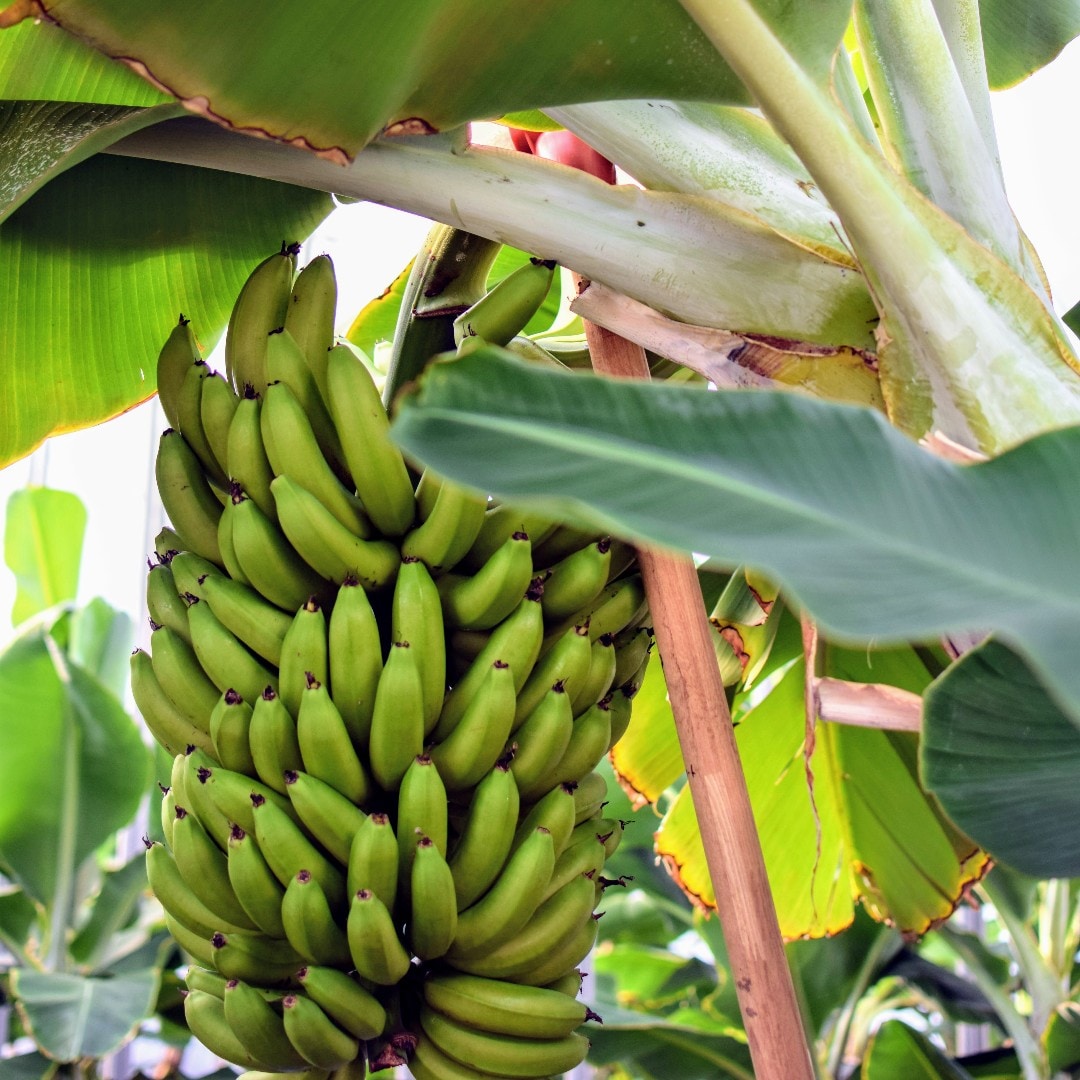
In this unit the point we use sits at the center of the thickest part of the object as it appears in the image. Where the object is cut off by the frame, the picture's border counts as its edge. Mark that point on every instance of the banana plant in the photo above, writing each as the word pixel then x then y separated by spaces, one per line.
pixel 852 235
pixel 83 962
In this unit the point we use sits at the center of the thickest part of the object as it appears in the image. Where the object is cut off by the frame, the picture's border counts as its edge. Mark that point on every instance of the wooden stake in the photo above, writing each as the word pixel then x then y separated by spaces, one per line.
pixel 744 901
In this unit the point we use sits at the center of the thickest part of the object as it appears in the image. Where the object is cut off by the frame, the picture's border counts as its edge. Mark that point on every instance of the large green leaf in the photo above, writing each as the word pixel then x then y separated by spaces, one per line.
pixel 1021 38
pixel 43 538
pixel 72 1016
pixel 95 268
pixel 355 70
pixel 879 539
pixel 73 769
pixel 1003 760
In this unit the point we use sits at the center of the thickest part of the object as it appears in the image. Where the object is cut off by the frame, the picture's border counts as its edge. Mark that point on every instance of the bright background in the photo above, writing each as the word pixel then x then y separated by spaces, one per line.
pixel 110 467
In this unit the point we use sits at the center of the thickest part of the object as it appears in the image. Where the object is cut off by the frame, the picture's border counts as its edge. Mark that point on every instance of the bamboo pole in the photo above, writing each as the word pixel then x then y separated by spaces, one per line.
pixel 744 902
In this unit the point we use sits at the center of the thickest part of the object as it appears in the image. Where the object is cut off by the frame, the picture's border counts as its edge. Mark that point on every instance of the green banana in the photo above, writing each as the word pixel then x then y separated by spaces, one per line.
pixel 421 810
pixel 255 884
pixel 248 464
pixel 583 855
pixel 510 902
pixel 190 571
pixel 344 1000
pixel 620 605
pixel 166 722
pixel 175 895
pixel 205 1017
pixel 325 746
pixel 177 355
pixel 205 869
pixel 542 739
pixel 230 796
pixel 311 314
pixel 416 617
pixel 182 677
pixel 217 406
pixel 331 818
pixel 576 580
pixel 373 860
pixel 309 923
pixel 503 1008
pixel 449 529
pixel 433 913
pixel 487 597
pixel 590 795
pixel 377 952
pixel 589 742
pixel 191 504
pixel 260 308
pixel 397 719
pixel 260 625
pixel 477 741
pixel 286 365
pixel 609 831
pixel 557 918
pixel 378 469
pixel 632 649
pixel 223 657
pixel 500 523
pixel 501 313
pixel 191 771
pixel 562 958
pixel 189 408
pixel 600 677
pixel 275 747
pixel 269 561
pixel 355 659
pixel 163 603
pixel 167 808
pixel 555 812
pixel 516 641
pixel 258 1026
pixel 167 544
pixel 200 978
pixel 294 451
pixel 304 651
pixel 562 541
pixel 195 945
pixel 621 711
pixel 329 547
pixel 569 984
pixel 503 1055
pixel 316 1037
pixel 288 851
pixel 428 1062
pixel 567 662
pixel 486 836
pixel 255 958
pixel 225 537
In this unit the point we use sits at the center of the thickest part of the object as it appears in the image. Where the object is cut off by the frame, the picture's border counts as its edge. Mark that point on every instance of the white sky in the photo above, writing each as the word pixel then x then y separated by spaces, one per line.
pixel 109 467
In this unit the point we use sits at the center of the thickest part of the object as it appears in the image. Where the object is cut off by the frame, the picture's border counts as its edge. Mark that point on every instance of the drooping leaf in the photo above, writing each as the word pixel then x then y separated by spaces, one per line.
pixel 1062 1038
pixel 101 642
pixel 830 839
pixel 73 769
pixel 40 139
pixel 1002 759
pixel 898 1052
pixel 17 917
pixel 376 320
pixel 878 539
pixel 72 1016
pixel 43 538
pixel 1021 38
pixel 32 1066
pixel 355 71
pixel 95 268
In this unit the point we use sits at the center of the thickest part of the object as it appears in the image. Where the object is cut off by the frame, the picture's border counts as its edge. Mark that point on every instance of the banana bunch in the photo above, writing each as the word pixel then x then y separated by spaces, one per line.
pixel 386 698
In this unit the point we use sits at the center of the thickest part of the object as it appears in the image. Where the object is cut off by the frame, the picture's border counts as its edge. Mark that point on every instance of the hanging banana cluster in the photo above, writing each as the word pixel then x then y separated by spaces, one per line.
pixel 384 834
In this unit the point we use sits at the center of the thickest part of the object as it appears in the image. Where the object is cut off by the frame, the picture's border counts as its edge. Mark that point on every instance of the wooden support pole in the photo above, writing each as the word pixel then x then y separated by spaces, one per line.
pixel 744 902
